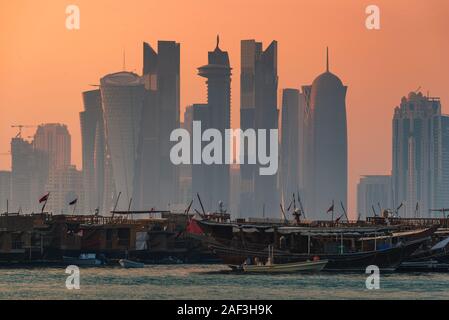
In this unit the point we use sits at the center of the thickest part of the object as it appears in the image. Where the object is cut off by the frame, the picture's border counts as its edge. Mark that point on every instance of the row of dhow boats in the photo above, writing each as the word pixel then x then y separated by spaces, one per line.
pixel 268 246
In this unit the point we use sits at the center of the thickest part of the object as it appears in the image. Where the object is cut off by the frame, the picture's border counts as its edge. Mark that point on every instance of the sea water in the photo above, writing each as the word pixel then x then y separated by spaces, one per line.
pixel 213 282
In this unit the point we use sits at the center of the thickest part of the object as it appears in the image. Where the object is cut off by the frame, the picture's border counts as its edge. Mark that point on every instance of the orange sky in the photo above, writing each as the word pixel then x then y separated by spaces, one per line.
pixel 44 67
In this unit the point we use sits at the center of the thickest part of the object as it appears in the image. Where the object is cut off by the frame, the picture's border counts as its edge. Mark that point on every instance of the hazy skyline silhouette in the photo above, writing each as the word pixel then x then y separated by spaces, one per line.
pixel 45 67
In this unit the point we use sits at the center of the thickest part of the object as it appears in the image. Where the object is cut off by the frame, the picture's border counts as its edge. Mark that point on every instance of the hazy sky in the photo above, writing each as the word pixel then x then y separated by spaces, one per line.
pixel 44 67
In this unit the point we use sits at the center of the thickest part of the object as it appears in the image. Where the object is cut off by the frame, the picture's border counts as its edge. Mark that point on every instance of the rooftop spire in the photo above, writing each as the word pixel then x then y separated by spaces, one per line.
pixel 124 60
pixel 218 41
pixel 327 59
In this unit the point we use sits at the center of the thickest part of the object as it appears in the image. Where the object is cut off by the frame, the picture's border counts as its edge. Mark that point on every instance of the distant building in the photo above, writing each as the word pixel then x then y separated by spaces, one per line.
pixel 218 75
pixel 161 115
pixel 55 140
pixel 201 173
pixel 188 119
pixel 93 150
pixel 185 170
pixel 5 190
pixel 258 110
pixel 65 185
pixel 122 96
pixel 29 175
pixel 420 155
pixel 234 206
pixel 326 146
pixel 291 147
pixel 374 194
pixel 442 174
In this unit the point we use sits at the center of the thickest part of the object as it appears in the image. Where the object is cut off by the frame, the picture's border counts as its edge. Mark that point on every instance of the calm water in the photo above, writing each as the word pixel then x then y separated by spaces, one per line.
pixel 207 282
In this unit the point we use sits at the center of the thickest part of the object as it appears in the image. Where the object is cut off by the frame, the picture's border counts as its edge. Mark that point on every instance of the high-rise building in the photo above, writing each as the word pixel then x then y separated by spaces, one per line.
pixel 161 74
pixel 5 190
pixel 55 140
pixel 326 147
pixel 258 110
pixel 235 191
pixel 291 148
pixel 185 170
pixel 442 174
pixel 218 75
pixel 93 150
pixel 374 194
pixel 122 96
pixel 420 155
pixel 65 185
pixel 201 180
pixel 29 175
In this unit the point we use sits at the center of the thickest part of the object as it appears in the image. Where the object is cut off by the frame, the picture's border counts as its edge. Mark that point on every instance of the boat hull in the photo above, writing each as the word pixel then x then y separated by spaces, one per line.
pixel 128 264
pixel 295 267
pixel 385 260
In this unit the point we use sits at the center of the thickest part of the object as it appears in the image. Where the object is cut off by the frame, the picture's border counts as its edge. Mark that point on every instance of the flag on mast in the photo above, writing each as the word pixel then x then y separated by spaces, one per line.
pixel 44 198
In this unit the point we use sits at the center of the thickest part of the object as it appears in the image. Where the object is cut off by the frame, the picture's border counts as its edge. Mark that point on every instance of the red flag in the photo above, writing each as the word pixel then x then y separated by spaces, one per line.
pixel 193 227
pixel 44 198
pixel 330 209
pixel 338 219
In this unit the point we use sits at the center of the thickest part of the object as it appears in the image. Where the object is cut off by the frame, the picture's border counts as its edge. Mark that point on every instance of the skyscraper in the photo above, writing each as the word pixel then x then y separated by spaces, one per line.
pixel 65 185
pixel 218 75
pixel 5 190
pixel 420 155
pixel 201 181
pixel 161 116
pixel 93 150
pixel 29 175
pixel 326 144
pixel 122 96
pixel 55 140
pixel 258 110
pixel 374 193
pixel 292 136
pixel 185 170
pixel 442 174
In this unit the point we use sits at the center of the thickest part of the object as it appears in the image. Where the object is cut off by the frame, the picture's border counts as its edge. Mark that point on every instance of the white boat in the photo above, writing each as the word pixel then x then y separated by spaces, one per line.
pixel 125 263
pixel 306 266
pixel 84 259
pixel 271 267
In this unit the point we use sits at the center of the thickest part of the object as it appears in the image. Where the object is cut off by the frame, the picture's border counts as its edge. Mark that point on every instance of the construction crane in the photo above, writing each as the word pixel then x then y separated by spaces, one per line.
pixel 20 127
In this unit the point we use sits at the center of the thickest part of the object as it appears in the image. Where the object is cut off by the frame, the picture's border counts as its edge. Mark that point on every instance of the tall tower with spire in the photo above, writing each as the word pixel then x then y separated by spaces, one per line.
pixel 326 143
pixel 218 75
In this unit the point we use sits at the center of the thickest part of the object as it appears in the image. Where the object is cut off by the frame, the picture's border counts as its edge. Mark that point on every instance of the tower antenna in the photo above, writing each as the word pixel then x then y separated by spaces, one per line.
pixel 327 59
pixel 218 40
pixel 124 60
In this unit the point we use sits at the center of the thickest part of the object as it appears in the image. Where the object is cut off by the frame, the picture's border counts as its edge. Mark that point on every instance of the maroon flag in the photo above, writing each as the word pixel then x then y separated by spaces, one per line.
pixel 44 198
pixel 193 227
pixel 71 203
pixel 331 209
pixel 339 218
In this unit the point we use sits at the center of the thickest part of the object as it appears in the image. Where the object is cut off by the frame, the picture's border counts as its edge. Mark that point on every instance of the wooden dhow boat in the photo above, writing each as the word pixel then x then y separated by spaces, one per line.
pixel 349 248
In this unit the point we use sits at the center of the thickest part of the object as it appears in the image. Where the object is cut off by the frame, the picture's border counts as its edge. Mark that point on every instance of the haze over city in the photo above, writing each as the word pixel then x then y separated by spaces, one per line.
pixel 45 67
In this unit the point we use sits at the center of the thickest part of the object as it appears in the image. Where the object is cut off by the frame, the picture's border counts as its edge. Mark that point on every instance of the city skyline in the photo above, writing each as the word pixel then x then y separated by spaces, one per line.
pixel 376 83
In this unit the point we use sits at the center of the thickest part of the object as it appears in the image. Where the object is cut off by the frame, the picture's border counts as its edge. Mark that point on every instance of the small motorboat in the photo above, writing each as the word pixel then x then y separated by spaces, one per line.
pixel 271 267
pixel 305 266
pixel 84 259
pixel 128 264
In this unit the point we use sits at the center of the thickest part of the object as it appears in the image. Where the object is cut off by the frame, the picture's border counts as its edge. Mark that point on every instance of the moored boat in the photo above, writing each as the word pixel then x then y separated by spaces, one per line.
pixel 387 259
pixel 84 259
pixel 129 264
pixel 294 267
